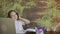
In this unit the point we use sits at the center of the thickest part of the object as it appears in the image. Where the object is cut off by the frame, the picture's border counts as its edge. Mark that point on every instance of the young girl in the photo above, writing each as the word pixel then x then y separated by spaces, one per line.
pixel 19 21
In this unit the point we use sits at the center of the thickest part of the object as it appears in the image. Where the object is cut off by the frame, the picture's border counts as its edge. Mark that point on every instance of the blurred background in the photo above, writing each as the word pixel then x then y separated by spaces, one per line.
pixel 44 12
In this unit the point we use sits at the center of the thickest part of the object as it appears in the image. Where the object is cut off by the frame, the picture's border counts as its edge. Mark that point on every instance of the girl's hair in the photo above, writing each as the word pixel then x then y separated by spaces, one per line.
pixel 13 11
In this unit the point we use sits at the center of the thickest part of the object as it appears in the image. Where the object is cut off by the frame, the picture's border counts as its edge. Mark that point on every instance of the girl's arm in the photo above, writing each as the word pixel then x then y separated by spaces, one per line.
pixel 24 20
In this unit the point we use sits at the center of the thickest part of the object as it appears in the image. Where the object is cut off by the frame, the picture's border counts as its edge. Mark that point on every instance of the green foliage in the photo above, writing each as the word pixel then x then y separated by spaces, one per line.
pixel 18 7
pixel 13 5
pixel 49 14
pixel 30 4
pixel 46 19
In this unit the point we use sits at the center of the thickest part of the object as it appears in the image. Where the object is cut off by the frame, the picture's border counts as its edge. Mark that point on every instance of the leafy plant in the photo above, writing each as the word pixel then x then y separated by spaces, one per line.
pixel 46 20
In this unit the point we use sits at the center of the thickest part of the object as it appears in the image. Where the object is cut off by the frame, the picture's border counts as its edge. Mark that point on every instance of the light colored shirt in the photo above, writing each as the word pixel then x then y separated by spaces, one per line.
pixel 19 26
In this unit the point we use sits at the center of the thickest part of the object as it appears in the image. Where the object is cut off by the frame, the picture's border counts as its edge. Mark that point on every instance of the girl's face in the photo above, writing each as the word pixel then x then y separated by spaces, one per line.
pixel 13 15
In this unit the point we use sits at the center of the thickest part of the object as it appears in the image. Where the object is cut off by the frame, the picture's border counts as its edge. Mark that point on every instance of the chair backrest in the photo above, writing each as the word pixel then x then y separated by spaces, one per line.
pixel 7 26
